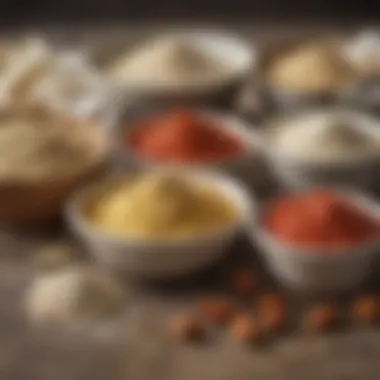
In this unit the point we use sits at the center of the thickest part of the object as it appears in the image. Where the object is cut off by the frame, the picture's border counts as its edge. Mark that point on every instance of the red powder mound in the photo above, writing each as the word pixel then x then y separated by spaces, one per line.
pixel 184 137
pixel 319 219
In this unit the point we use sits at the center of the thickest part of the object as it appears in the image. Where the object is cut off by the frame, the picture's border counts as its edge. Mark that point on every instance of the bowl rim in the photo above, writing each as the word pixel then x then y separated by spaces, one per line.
pixel 212 34
pixel 86 229
pixel 99 100
pixel 362 121
pixel 248 136
pixel 364 202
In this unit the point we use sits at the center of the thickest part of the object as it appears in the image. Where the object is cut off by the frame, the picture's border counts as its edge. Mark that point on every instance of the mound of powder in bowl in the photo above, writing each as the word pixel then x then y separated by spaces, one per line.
pixel 168 61
pixel 323 137
pixel 160 205
pixel 319 218
pixel 185 137
pixel 35 145
pixel 310 68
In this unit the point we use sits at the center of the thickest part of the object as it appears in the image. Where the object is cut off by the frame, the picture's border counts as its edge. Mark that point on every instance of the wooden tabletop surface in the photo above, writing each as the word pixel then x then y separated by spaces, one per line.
pixel 140 348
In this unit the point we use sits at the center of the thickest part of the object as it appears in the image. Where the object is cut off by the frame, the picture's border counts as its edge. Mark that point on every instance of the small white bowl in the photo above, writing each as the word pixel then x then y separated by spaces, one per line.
pixel 363 51
pixel 286 99
pixel 161 258
pixel 250 167
pixel 316 270
pixel 361 173
pixel 224 46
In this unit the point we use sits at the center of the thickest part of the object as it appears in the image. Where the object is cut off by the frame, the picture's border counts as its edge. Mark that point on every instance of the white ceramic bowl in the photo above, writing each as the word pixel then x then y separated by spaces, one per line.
pixel 316 270
pixel 359 49
pixel 95 98
pixel 363 51
pixel 251 167
pixel 361 173
pixel 224 46
pixel 70 85
pixel 285 99
pixel 159 259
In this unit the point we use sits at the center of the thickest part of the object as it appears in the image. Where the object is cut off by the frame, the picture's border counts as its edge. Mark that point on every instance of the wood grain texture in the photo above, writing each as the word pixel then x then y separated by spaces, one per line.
pixel 139 347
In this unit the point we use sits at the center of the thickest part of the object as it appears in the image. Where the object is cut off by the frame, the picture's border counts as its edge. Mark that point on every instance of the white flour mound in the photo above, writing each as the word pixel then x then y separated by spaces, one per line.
pixel 74 295
pixel 167 61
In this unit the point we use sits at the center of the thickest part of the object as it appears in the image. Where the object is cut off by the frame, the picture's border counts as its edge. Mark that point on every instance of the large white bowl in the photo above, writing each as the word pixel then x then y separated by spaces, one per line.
pixel 224 46
pixel 159 258
pixel 361 173
pixel 251 167
pixel 316 270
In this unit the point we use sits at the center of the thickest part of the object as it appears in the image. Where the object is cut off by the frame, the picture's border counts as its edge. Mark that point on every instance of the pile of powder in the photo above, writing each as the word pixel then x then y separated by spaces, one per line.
pixel 39 146
pixel 184 137
pixel 319 219
pixel 310 68
pixel 161 205
pixel 167 61
pixel 322 137
pixel 74 295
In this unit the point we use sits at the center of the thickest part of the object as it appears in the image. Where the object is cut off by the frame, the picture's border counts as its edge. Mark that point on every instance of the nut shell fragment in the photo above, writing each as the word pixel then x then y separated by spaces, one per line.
pixel 322 318
pixel 244 329
pixel 244 282
pixel 217 311
pixel 187 328
pixel 367 309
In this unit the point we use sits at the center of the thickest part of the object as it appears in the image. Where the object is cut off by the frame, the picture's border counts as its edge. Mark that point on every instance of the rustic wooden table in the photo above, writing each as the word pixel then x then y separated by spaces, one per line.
pixel 140 348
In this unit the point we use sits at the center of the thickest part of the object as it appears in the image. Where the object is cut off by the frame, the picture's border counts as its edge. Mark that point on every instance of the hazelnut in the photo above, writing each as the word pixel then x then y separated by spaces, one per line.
pixel 321 318
pixel 244 282
pixel 272 319
pixel 217 310
pixel 272 301
pixel 244 329
pixel 367 309
pixel 187 328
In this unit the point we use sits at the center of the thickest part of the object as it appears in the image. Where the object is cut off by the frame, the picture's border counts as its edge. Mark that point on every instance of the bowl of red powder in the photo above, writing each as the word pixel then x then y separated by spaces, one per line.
pixel 320 240
pixel 191 139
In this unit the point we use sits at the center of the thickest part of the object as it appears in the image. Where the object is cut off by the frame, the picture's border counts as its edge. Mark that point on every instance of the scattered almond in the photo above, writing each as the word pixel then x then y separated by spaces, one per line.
pixel 244 329
pixel 322 318
pixel 367 309
pixel 271 301
pixel 218 311
pixel 272 319
pixel 187 328
pixel 244 282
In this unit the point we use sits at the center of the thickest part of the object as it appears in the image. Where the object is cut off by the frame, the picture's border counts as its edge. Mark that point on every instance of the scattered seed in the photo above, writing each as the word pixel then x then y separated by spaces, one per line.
pixel 217 311
pixel 244 329
pixel 244 282
pixel 272 319
pixel 367 309
pixel 322 318
pixel 271 301
pixel 187 328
